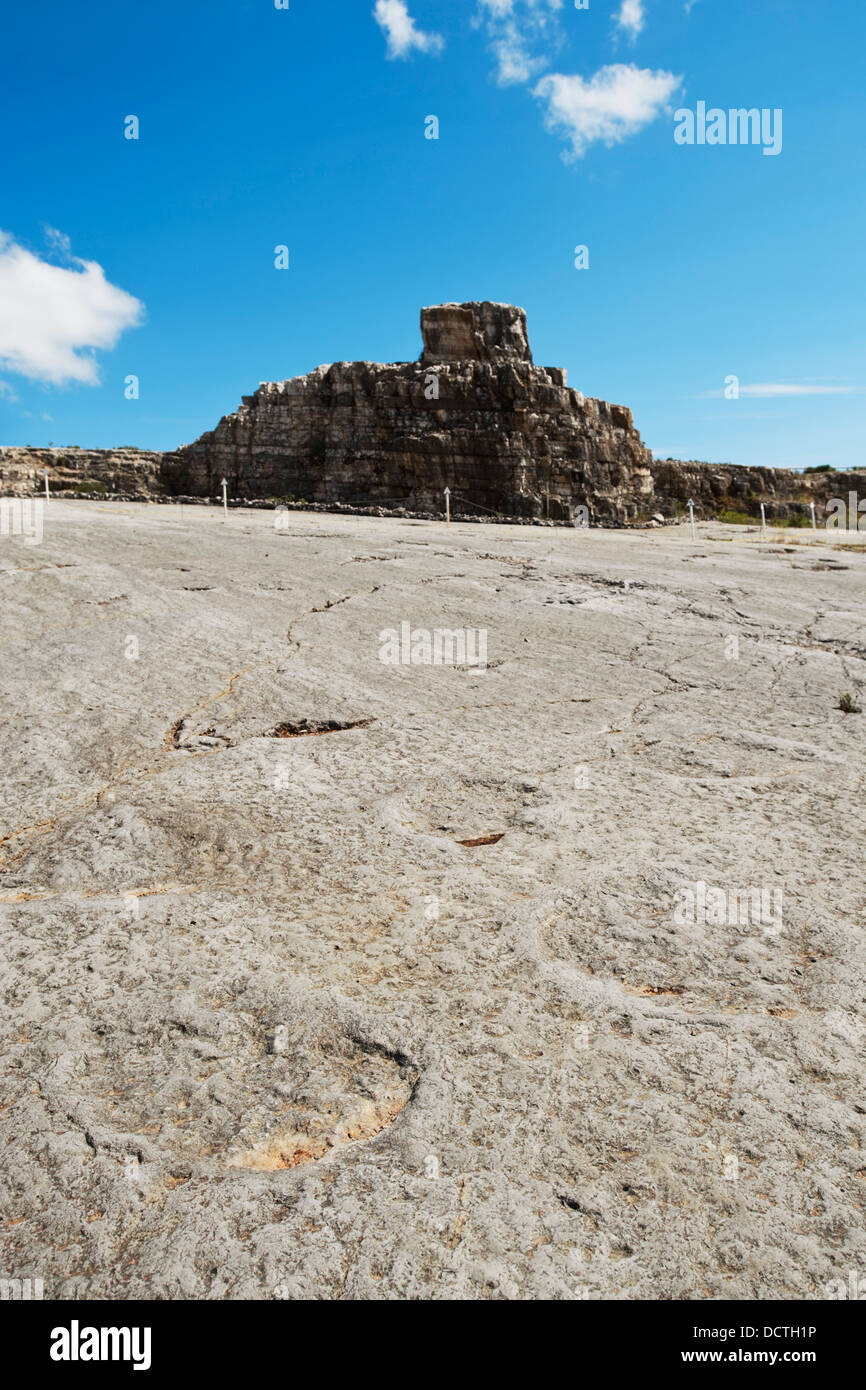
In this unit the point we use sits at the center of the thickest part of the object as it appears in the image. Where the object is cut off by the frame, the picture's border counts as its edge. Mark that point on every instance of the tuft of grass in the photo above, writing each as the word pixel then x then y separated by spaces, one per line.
pixel 738 519
pixel 847 704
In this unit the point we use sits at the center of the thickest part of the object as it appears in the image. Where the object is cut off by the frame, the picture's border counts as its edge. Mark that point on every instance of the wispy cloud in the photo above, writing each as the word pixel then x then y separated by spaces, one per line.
pixel 55 316
pixel 523 36
pixel 58 242
pixel 400 30
pixel 774 390
pixel 618 101
pixel 7 392
pixel 631 17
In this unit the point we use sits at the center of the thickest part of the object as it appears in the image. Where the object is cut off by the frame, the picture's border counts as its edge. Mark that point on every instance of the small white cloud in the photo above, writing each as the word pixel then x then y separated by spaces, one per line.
pixel 7 392
pixel 399 28
pixel 631 17
pixel 55 316
pixel 618 101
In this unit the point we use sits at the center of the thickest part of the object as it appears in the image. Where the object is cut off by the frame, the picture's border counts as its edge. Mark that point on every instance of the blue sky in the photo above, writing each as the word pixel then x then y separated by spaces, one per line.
pixel 306 127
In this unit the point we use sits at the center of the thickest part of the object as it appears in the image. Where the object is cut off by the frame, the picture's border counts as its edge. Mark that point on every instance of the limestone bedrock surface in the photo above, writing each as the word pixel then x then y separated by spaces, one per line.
pixel 271 1029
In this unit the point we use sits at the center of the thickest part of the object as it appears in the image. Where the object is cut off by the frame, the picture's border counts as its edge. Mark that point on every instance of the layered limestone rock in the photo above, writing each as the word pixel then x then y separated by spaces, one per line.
pixel 128 472
pixel 718 488
pixel 473 414
pixel 476 332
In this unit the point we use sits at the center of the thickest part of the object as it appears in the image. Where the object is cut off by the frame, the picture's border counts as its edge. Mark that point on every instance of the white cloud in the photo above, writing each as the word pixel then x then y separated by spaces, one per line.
pixel 631 17
pixel 514 62
pixel 398 26
pixel 616 102
pixel 7 392
pixel 517 30
pixel 55 316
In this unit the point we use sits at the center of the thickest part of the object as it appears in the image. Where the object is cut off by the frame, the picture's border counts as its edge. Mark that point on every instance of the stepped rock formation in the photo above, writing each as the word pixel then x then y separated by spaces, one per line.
pixel 473 414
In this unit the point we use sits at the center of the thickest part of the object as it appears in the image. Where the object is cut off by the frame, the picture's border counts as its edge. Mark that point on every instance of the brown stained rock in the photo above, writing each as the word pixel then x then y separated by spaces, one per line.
pixel 477 332
pixel 294 1148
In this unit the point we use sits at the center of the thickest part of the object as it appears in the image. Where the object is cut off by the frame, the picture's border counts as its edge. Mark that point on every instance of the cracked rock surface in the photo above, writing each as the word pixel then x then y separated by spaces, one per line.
pixel 329 978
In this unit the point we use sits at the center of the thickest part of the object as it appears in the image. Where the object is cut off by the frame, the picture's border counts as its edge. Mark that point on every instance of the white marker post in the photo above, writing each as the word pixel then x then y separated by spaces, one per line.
pixel 447 506
pixel 692 518
pixel 224 486
pixel 763 520
pixel 814 522
pixel 47 489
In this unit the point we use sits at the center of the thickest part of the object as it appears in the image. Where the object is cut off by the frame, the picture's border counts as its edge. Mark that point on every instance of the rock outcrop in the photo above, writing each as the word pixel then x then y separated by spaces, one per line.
pixel 81 472
pixel 477 332
pixel 719 488
pixel 473 414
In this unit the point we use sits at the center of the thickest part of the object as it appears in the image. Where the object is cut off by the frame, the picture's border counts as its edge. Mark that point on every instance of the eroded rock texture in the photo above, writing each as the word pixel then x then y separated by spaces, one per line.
pixel 407 1010
pixel 478 332
pixel 474 414
pixel 717 488
pixel 133 472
